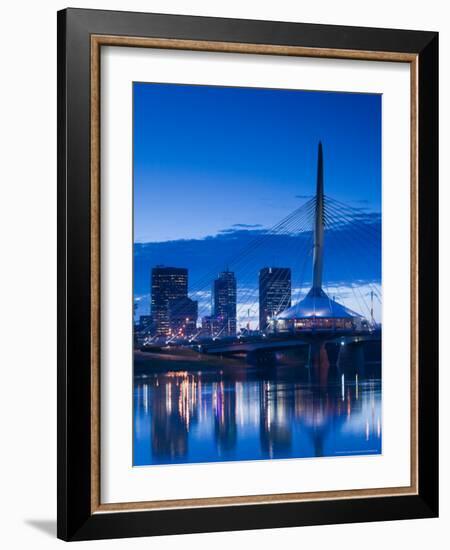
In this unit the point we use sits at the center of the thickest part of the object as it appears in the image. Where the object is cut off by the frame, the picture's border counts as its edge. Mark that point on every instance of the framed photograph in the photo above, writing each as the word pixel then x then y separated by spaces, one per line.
pixel 248 299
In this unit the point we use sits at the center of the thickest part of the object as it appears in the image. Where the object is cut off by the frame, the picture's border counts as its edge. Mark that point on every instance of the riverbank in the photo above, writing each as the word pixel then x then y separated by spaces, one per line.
pixel 183 359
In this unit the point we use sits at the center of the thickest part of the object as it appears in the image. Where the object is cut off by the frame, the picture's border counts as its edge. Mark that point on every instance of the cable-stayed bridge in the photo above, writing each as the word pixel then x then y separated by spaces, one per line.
pixel 322 233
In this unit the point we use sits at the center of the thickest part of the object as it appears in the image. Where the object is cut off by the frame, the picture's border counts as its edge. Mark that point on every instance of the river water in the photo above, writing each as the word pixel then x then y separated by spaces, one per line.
pixel 210 415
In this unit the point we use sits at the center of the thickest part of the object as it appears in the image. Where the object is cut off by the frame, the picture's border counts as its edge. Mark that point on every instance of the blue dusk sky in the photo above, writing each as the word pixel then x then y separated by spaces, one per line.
pixel 207 158
pixel 214 167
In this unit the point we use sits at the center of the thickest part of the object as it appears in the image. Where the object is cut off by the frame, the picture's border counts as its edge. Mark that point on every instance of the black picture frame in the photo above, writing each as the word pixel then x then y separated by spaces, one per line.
pixel 75 519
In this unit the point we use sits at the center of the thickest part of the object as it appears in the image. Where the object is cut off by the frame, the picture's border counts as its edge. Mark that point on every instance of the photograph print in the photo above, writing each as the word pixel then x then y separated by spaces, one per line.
pixel 257 274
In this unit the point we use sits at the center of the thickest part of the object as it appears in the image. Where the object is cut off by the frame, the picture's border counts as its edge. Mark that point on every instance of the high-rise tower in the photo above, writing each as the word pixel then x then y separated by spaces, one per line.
pixel 168 284
pixel 225 302
pixel 274 293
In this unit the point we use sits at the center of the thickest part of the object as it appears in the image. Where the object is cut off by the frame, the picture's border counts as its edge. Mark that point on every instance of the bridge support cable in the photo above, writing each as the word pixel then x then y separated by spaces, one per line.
pixel 248 277
pixel 368 248
pixel 304 249
pixel 354 215
pixel 345 257
pixel 303 227
pixel 337 221
pixel 339 224
pixel 243 257
pixel 355 290
pixel 278 228
pixel 302 289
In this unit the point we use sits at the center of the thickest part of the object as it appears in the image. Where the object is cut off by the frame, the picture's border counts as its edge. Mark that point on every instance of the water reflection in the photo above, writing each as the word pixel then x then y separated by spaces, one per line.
pixel 250 414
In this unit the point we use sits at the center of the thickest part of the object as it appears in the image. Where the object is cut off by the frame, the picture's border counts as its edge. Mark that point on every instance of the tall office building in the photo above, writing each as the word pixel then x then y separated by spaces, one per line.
pixel 225 303
pixel 168 284
pixel 274 293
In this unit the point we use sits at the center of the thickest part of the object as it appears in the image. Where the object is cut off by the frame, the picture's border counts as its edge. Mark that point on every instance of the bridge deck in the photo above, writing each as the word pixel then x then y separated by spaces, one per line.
pixel 270 343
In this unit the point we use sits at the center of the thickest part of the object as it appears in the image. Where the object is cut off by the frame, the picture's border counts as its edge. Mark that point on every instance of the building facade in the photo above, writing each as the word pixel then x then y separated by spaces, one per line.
pixel 211 326
pixel 275 289
pixel 183 313
pixel 168 284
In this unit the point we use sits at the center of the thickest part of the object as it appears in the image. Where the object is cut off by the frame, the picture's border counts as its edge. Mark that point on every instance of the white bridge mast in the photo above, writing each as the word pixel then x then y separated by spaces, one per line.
pixel 316 289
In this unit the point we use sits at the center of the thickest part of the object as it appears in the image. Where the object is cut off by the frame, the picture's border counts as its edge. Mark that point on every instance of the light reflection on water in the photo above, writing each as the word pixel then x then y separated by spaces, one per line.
pixel 204 416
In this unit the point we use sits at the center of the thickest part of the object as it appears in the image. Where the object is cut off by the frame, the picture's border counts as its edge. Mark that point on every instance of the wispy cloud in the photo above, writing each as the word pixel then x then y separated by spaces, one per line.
pixel 360 201
pixel 247 225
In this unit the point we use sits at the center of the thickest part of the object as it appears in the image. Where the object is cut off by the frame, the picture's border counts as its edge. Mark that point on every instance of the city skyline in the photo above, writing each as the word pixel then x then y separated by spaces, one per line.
pixel 353 293
pixel 173 313
pixel 219 213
